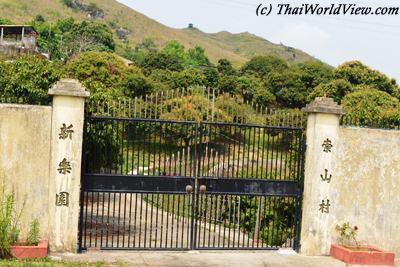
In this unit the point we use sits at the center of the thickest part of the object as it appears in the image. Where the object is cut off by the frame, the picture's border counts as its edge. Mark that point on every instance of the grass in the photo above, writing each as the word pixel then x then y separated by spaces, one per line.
pixel 235 47
pixel 162 157
pixel 47 262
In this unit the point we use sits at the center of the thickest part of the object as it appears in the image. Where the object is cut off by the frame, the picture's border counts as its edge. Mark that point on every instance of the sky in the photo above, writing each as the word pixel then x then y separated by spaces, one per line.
pixel 375 40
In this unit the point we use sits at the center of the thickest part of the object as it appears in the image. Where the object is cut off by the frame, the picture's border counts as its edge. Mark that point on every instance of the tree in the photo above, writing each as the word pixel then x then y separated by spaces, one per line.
pixel 262 65
pixel 89 36
pixel 369 104
pixel 225 67
pixel 359 74
pixel 247 85
pixel 188 77
pixel 175 49
pixel 100 72
pixel 29 77
pixel 196 57
pixel 336 89
pixel 140 51
pixel 135 84
pixel 288 87
pixel 211 75
pixel 228 84
pixel 314 73
pixel 160 60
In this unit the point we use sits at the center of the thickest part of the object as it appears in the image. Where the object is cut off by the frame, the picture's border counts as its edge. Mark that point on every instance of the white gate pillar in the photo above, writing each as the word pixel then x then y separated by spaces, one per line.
pixel 318 198
pixel 65 163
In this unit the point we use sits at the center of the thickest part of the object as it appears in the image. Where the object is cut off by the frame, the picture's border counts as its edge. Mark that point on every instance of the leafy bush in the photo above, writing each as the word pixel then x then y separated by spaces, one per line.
pixel 33 235
pixel 369 104
pixel 359 74
pixel 262 65
pixel 98 71
pixel 29 78
pixel 9 231
pixel 335 89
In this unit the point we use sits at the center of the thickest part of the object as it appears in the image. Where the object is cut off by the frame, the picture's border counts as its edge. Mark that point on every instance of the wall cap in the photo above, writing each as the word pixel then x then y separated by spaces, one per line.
pixel 68 87
pixel 323 105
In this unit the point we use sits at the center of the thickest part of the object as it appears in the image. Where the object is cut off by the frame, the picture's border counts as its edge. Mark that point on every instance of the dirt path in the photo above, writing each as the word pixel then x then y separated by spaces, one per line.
pixel 127 220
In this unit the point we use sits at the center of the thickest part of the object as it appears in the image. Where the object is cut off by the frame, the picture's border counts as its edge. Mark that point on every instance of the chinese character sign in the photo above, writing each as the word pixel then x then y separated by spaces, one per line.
pixel 62 199
pixel 325 177
pixel 327 145
pixel 64 167
pixel 324 206
pixel 66 132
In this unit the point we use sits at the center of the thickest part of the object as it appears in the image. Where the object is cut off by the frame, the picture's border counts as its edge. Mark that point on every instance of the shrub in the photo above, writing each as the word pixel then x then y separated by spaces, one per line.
pixel 9 231
pixel 369 104
pixel 33 235
pixel 29 78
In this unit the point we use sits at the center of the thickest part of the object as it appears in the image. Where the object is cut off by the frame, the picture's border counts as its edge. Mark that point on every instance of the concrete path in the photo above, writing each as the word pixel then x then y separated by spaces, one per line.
pixel 286 258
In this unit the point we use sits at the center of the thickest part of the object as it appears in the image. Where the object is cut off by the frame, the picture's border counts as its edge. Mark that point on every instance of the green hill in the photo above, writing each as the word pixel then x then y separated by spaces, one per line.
pixel 235 47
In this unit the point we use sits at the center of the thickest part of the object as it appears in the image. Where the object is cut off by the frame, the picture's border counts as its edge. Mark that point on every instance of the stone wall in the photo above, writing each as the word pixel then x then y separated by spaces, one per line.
pixel 40 162
pixel 351 175
pixel 24 160
pixel 367 185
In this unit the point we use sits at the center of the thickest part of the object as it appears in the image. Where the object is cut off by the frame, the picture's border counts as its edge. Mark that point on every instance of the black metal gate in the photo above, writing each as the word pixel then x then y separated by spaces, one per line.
pixel 179 185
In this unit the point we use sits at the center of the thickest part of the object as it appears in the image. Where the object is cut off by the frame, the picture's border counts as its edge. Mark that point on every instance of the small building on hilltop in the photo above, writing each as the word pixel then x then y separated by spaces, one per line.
pixel 18 36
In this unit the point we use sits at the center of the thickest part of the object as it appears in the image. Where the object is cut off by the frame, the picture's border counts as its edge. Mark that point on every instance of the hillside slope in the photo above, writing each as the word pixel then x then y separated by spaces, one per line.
pixel 235 47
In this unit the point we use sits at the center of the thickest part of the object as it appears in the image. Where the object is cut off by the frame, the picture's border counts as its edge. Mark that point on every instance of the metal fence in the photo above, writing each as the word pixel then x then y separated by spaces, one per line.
pixel 383 123
pixel 207 105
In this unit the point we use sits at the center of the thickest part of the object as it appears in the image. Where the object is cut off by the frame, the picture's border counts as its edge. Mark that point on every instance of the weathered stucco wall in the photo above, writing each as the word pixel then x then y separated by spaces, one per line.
pixel 366 185
pixel 42 165
pixel 24 160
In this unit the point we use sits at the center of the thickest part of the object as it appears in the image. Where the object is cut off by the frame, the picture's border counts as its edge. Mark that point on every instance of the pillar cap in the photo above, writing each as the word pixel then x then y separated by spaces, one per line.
pixel 68 87
pixel 323 105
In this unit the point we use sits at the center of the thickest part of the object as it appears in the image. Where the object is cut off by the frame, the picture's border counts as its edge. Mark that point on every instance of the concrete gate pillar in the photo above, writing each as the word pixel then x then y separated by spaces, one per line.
pixel 318 198
pixel 65 163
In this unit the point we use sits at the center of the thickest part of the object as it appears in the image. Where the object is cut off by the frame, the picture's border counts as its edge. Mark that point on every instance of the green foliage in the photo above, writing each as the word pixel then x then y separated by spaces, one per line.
pixel 262 65
pixel 193 107
pixel 8 224
pixel 160 60
pixel 188 77
pixel 89 36
pixel 347 234
pixel 175 49
pixel 370 105
pixel 65 38
pixel 211 76
pixel 314 73
pixel 29 78
pixel 359 74
pixel 228 84
pixel 135 84
pixel 100 73
pixel 33 234
pixel 196 57
pixel 225 67
pixel 336 89
pixel 233 105
pixel 105 140
pixel 4 21
pixel 288 87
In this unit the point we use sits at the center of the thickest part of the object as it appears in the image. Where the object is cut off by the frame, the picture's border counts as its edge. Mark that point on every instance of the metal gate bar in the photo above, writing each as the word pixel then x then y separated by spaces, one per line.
pixel 250 186
pixel 179 185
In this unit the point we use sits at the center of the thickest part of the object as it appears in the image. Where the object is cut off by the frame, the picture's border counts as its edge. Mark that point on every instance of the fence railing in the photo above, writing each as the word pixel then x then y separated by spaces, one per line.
pixel 384 123
pixel 197 104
